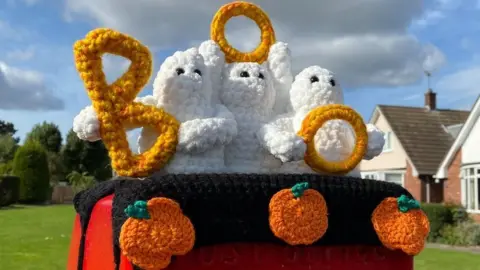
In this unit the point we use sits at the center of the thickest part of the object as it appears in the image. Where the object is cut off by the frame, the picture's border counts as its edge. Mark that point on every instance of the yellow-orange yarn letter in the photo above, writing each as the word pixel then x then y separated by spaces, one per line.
pixel 319 116
pixel 239 8
pixel 114 103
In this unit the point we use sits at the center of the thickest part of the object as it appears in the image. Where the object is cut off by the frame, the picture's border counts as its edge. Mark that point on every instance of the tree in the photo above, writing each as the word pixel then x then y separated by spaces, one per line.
pixel 31 166
pixel 80 181
pixel 48 135
pixel 73 153
pixel 8 146
pixel 90 157
pixel 7 128
pixel 56 168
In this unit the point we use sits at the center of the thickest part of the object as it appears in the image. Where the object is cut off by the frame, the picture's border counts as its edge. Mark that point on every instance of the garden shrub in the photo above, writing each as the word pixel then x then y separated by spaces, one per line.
pixel 439 216
pixel 31 166
pixel 459 214
pixel 6 168
pixel 9 190
pixel 462 234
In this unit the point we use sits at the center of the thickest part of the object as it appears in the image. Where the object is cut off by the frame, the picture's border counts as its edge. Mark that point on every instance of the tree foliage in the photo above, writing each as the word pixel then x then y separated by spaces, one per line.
pixel 8 146
pixel 7 128
pixel 56 168
pixel 90 157
pixel 48 135
pixel 31 166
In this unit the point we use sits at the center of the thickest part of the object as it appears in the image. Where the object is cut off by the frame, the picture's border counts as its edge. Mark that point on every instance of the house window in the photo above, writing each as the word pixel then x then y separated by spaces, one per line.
pixel 471 187
pixel 388 141
pixel 370 175
pixel 396 178
pixel 388 176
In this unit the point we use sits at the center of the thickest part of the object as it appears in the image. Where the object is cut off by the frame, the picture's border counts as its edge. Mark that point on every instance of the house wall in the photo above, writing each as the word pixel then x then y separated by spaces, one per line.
pixel 452 186
pixel 413 184
pixel 394 159
pixel 471 146
pixel 418 187
pixel 471 152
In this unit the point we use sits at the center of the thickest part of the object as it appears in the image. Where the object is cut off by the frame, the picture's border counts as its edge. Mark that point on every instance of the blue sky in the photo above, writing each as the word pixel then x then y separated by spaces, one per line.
pixel 37 36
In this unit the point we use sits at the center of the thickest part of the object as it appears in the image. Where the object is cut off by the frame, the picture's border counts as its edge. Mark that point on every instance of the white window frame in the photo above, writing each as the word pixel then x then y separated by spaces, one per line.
pixel 387 147
pixel 370 175
pixel 466 185
pixel 401 173
pixel 380 175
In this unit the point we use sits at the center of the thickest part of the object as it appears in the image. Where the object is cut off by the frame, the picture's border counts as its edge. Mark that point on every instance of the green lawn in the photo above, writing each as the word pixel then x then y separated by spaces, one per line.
pixel 37 238
pixel 433 259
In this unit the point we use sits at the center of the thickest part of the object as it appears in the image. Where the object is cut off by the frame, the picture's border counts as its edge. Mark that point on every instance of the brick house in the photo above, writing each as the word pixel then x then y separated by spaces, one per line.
pixel 431 152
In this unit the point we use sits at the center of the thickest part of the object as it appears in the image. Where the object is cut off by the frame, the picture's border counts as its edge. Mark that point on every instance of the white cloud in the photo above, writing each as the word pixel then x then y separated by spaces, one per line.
pixel 430 17
pixel 21 55
pixel 9 32
pixel 364 41
pixel 412 97
pixel 28 3
pixel 114 66
pixel 434 59
pixel 31 2
pixel 460 85
pixel 466 44
pixel 25 90
pixel 440 10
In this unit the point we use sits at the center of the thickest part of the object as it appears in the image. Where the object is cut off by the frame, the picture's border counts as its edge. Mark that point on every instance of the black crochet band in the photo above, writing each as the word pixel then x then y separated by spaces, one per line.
pixel 234 208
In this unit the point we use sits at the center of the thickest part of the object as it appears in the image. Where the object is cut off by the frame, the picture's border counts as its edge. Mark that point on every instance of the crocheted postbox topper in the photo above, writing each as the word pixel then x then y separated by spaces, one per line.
pixel 241 151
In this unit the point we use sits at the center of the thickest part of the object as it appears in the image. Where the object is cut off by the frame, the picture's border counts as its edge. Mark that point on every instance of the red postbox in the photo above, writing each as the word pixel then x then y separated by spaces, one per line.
pixel 97 253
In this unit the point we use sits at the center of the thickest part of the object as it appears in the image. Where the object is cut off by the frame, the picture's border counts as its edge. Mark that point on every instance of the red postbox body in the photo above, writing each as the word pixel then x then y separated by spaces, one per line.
pixel 98 252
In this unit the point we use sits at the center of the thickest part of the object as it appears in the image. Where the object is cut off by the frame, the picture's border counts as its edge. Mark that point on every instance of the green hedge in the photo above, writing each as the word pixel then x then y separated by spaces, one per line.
pixel 31 166
pixel 442 216
pixel 9 190
pixel 462 234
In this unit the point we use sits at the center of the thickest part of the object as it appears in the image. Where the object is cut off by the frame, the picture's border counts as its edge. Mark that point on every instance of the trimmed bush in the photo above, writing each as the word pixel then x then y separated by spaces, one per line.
pixel 461 234
pixel 439 216
pixel 444 219
pixel 31 166
pixel 459 214
pixel 6 168
pixel 9 190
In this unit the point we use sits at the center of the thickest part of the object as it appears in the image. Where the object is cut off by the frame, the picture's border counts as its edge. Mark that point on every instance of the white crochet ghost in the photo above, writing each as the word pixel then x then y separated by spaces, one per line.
pixel 279 64
pixel 313 87
pixel 183 88
pixel 248 91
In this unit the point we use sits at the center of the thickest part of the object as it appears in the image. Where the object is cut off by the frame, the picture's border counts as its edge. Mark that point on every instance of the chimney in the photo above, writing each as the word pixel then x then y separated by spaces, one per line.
pixel 430 100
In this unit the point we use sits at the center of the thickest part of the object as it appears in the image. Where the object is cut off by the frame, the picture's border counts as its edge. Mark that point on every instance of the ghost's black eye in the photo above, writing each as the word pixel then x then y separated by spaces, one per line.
pixel 333 82
pixel 260 75
pixel 180 71
pixel 244 74
pixel 313 79
pixel 198 72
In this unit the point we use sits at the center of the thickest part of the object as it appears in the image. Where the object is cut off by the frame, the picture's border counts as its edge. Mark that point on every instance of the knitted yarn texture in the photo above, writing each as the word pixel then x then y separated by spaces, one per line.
pixel 314 87
pixel 114 104
pixel 183 88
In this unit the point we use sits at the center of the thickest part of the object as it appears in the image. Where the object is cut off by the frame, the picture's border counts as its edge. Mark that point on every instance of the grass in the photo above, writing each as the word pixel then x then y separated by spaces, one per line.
pixel 37 238
pixel 433 259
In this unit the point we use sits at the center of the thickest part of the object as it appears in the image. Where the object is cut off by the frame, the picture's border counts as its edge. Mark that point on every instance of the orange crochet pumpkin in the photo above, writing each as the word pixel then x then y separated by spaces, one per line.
pixel 298 215
pixel 401 224
pixel 155 231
